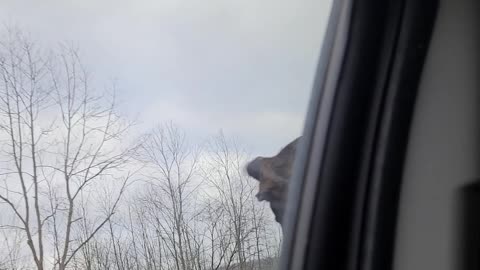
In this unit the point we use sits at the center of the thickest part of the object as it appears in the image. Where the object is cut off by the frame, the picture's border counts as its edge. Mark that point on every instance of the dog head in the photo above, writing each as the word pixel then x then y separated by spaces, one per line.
pixel 273 175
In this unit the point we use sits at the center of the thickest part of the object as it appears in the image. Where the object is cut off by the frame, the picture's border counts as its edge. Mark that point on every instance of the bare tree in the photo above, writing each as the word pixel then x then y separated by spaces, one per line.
pixel 66 163
pixel 234 192
pixel 191 212
pixel 10 255
pixel 60 140
pixel 172 165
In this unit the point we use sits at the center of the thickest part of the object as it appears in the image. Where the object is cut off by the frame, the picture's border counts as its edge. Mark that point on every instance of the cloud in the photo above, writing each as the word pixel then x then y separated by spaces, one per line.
pixel 243 66
pixel 264 132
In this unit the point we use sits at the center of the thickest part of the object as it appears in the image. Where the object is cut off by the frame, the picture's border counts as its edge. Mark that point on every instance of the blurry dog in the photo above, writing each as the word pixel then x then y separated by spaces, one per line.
pixel 273 174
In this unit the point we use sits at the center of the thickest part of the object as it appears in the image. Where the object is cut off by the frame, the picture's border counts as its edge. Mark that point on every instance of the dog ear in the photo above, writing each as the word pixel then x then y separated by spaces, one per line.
pixel 288 152
pixel 282 163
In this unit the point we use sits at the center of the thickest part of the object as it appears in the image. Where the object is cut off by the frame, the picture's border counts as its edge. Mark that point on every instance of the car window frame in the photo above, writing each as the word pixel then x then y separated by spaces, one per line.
pixel 357 232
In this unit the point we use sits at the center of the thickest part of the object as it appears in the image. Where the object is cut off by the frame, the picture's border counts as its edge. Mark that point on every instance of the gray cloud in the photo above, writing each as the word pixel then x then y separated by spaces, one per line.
pixel 242 66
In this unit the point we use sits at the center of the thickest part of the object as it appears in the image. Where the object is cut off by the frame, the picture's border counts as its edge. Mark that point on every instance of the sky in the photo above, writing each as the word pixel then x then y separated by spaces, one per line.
pixel 243 67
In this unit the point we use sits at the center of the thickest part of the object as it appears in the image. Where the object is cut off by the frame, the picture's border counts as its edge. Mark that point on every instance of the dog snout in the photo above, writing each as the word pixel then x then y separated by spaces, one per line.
pixel 261 196
pixel 253 168
pixel 264 196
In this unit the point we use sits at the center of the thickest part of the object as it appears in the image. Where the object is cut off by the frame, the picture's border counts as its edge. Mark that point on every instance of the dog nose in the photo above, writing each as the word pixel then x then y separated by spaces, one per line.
pixel 253 168
pixel 261 196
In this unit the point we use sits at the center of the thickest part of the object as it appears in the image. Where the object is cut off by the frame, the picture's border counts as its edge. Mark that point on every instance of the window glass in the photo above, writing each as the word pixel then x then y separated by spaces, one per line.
pixel 150 134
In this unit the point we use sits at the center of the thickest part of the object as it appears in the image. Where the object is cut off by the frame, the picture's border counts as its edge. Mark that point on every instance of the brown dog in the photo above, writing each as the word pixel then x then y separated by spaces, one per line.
pixel 273 174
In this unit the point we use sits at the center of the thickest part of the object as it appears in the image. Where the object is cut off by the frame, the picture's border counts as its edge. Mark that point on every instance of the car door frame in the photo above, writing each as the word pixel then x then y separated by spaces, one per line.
pixel 342 214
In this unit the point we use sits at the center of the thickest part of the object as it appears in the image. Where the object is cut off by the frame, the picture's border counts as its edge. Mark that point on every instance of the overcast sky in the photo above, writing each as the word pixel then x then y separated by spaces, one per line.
pixel 244 66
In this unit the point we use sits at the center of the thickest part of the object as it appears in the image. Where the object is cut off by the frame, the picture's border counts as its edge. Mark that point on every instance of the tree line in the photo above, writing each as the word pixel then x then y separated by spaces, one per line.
pixel 80 190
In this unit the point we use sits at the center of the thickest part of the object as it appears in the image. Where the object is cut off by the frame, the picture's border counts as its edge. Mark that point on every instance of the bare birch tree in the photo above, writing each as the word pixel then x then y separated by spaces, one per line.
pixel 234 193
pixel 172 166
pixel 66 163
pixel 198 214
pixel 59 140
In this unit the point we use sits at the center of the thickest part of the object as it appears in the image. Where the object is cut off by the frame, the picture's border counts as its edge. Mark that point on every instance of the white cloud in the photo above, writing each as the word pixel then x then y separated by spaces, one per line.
pixel 264 131
pixel 243 66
